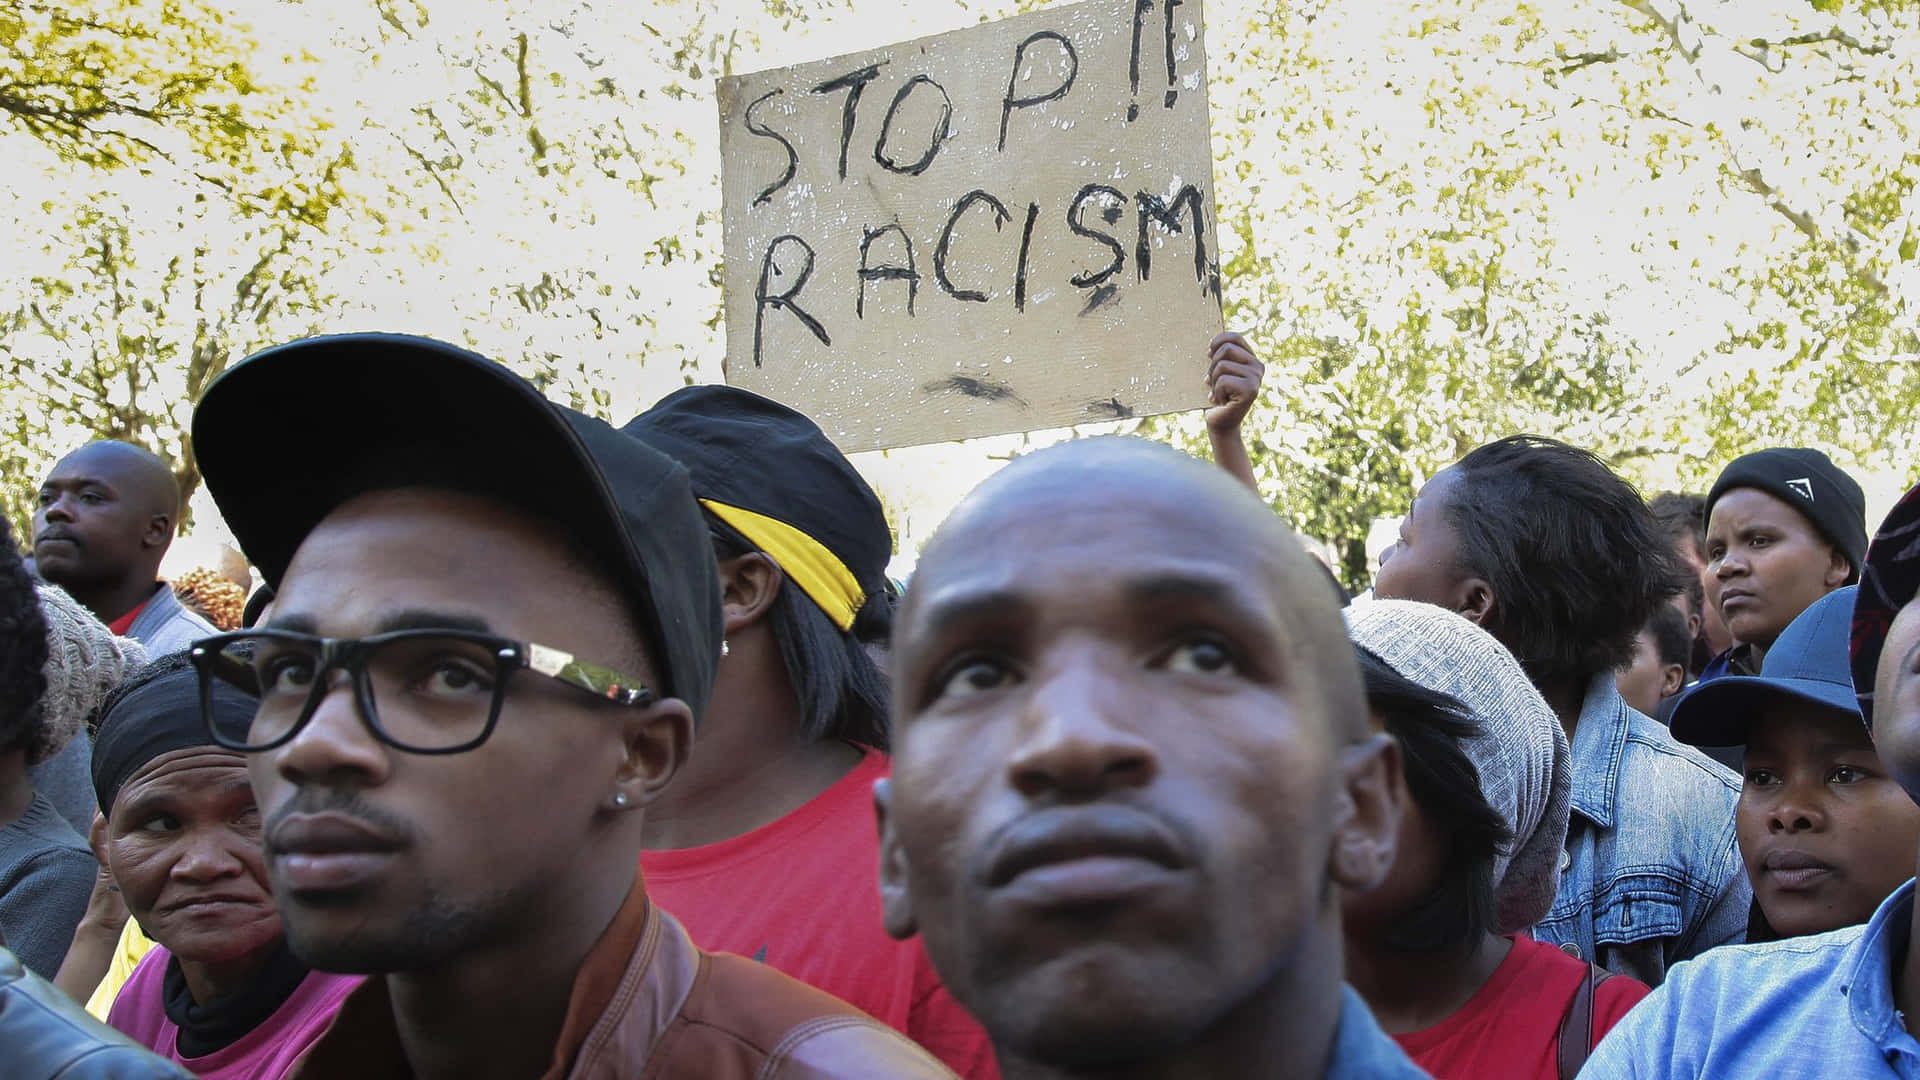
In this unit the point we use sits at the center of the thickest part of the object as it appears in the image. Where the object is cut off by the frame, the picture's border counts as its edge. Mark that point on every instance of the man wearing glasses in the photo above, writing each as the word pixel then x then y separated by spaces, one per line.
pixel 496 625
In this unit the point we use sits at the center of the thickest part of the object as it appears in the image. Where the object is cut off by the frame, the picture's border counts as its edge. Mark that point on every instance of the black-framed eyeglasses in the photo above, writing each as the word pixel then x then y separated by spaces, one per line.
pixel 426 691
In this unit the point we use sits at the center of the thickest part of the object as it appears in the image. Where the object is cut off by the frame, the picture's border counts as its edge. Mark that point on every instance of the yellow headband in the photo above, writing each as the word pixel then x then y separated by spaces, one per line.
pixel 818 572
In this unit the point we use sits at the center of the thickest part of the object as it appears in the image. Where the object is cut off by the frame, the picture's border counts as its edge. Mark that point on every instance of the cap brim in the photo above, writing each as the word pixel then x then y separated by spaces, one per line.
pixel 1719 713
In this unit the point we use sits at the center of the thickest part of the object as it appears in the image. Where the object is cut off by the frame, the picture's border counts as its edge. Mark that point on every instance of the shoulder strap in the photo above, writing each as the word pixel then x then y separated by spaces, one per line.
pixel 1576 1040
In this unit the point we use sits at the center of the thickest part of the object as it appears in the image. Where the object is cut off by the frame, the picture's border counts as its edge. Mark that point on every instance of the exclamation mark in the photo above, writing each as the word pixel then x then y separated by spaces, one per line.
pixel 1173 92
pixel 1140 10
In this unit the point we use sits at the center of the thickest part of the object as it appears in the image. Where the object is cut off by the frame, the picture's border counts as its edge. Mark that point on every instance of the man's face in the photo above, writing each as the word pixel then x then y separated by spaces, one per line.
pixel 183 841
pixel 1824 832
pixel 1770 564
pixel 385 860
pixel 93 522
pixel 1424 563
pixel 1114 787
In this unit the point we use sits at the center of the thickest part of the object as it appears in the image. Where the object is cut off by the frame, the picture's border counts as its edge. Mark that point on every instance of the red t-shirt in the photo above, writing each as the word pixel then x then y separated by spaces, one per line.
pixel 1511 1027
pixel 802 895
pixel 124 623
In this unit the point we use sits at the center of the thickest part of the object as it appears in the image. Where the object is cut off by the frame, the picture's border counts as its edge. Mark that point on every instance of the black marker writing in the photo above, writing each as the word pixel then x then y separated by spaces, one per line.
pixel 886 271
pixel 793 282
pixel 1167 215
pixel 1172 93
pixel 1000 217
pixel 1140 9
pixel 1010 103
pixel 793 159
pixel 1076 221
pixel 1026 248
pixel 941 130
pixel 854 83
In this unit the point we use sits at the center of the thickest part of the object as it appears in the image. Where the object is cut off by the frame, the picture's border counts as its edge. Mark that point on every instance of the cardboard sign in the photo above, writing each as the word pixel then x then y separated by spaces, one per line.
pixel 1003 228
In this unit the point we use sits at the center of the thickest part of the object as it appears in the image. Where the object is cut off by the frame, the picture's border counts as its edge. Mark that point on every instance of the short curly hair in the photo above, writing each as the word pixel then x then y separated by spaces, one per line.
pixel 1575 557
pixel 23 649
pixel 1684 517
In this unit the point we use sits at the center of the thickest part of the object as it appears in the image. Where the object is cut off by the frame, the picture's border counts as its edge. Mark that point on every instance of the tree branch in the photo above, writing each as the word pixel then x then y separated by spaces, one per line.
pixel 1691 42
pixel 534 138
pixel 1571 62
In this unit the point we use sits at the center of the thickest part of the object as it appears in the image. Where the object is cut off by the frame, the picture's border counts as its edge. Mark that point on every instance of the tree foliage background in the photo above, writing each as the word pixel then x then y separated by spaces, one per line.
pixel 1667 229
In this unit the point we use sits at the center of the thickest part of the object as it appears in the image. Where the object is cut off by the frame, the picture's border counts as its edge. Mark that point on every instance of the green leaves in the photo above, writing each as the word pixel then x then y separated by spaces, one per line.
pixel 1669 231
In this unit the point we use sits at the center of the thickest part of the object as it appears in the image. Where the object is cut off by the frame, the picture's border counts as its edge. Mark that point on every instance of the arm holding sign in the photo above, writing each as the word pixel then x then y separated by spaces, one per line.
pixel 1233 382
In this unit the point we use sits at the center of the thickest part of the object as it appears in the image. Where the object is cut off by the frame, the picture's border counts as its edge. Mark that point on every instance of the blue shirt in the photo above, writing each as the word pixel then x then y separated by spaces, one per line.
pixel 1819 1007
pixel 165 625
pixel 1652 874
pixel 1361 1051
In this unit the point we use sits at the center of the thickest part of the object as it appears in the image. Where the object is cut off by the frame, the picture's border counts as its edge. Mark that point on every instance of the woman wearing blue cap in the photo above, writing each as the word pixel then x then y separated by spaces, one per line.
pixel 1824 831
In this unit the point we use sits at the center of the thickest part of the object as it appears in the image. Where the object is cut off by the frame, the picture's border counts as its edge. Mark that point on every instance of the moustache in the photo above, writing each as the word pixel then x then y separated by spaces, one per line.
pixel 58 533
pixel 346 804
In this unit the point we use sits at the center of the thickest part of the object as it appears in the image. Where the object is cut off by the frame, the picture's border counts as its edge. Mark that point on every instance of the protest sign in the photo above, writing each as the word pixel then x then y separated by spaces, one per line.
pixel 998 229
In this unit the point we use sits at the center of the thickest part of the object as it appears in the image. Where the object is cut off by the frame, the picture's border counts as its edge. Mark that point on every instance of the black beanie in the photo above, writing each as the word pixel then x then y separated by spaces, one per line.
pixel 1808 481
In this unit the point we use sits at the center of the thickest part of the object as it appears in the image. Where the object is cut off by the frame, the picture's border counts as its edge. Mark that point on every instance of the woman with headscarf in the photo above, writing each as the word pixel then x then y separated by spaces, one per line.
pixel 220 992
pixel 1440 950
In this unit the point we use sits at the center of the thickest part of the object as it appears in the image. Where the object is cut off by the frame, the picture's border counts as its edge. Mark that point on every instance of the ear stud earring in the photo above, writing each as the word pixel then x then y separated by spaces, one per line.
pixel 723 647
pixel 620 800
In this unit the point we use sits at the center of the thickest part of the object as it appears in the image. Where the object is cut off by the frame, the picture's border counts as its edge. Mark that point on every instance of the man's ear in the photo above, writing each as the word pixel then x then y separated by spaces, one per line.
pixel 657 740
pixel 1366 828
pixel 896 900
pixel 748 585
pixel 159 531
pixel 1476 601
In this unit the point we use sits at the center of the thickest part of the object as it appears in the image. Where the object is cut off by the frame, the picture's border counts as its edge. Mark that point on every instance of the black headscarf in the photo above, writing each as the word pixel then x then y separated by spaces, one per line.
pixel 156 711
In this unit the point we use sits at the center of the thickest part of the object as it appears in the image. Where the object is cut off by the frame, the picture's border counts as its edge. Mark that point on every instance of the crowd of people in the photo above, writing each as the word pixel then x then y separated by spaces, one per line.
pixel 550 748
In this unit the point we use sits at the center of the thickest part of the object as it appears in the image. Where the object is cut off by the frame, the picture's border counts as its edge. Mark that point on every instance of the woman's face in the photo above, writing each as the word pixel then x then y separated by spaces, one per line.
pixel 1824 831
pixel 183 842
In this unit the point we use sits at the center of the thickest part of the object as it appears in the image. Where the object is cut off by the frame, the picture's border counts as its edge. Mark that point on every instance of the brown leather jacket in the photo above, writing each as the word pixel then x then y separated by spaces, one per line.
pixel 650 1005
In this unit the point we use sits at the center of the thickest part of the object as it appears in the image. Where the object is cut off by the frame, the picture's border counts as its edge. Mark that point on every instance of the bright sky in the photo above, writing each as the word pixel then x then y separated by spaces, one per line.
pixel 437 294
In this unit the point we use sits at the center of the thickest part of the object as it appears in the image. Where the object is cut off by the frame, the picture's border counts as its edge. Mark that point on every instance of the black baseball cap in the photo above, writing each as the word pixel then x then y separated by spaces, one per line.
pixel 291 433
pixel 775 477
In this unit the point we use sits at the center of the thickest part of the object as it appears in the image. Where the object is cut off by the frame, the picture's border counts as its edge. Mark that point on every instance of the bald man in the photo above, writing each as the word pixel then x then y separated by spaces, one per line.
pixel 1133 770
pixel 105 518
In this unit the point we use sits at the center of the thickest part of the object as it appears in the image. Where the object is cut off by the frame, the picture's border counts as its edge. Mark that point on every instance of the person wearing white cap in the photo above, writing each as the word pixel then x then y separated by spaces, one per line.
pixel 1441 951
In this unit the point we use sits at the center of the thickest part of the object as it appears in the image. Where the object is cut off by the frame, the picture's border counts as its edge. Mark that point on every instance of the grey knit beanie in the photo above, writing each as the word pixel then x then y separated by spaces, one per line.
pixel 84 661
pixel 1522 754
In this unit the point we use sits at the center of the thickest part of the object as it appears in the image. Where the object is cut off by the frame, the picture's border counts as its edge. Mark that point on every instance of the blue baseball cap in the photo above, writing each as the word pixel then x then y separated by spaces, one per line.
pixel 1809 663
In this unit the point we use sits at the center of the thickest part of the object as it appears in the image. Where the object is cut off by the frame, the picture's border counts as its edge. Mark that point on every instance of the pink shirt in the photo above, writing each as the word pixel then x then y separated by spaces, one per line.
pixel 265 1053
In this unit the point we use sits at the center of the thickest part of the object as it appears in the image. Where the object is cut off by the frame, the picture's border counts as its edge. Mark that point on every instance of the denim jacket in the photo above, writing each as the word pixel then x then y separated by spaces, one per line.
pixel 1652 875
pixel 1817 1008
pixel 1361 1051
